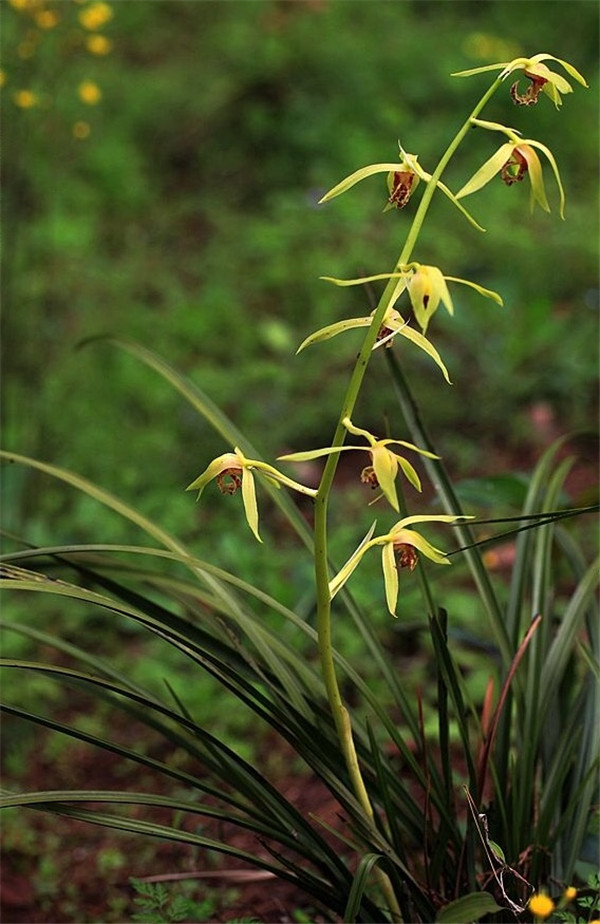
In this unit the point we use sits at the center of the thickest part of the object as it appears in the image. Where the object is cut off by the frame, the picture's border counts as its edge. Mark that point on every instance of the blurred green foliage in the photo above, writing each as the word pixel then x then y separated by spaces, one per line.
pixel 183 215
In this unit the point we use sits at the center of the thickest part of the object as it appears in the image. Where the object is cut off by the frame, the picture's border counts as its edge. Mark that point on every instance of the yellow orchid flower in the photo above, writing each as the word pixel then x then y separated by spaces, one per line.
pixel 542 78
pixel 408 172
pixel 513 160
pixel 393 324
pixel 385 463
pixel 426 287
pixel 402 180
pixel 400 548
pixel 233 470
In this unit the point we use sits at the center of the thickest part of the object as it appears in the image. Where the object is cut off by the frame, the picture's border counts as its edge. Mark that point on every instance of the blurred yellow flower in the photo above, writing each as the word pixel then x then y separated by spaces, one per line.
pixel 95 16
pixel 25 99
pixel 385 462
pixel 98 44
pixel 570 893
pixel 482 46
pixel 541 905
pixel 47 19
pixel 81 130
pixel 2 78
pixel 89 92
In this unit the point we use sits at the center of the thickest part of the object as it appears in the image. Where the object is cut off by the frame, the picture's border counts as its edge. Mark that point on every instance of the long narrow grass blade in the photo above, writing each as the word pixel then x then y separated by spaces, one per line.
pixel 74 554
pixel 327 892
pixel 229 766
pixel 359 886
pixel 453 683
pixel 390 813
pixel 562 644
pixel 180 776
pixel 491 737
pixel 533 502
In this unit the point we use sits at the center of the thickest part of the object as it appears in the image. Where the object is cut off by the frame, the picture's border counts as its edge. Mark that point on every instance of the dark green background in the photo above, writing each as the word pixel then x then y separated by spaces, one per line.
pixel 188 221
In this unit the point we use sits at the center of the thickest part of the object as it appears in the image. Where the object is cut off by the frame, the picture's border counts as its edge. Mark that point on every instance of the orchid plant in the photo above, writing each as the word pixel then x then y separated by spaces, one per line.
pixel 426 287
pixel 427 845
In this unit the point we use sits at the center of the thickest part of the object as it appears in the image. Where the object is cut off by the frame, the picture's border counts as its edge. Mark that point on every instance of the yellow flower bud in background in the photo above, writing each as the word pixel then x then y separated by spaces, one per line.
pixel 47 19
pixel 81 130
pixel 89 92
pixel 25 99
pixel 98 44
pixel 570 893
pixel 95 16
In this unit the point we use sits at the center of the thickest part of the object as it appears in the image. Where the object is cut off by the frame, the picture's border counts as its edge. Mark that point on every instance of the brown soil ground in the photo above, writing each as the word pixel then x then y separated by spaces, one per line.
pixel 61 870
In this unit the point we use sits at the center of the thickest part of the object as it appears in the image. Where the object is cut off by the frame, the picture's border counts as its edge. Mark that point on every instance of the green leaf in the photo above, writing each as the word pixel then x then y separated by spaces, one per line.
pixel 468 908
pixel 492 490
pixel 359 884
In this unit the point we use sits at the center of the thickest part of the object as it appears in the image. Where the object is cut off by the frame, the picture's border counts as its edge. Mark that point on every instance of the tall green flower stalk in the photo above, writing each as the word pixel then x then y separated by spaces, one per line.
pixel 322 576
pixel 427 288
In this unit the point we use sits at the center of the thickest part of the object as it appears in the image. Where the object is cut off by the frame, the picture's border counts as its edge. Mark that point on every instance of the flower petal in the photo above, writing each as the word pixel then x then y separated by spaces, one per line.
pixel 553 164
pixel 536 177
pixel 344 573
pixel 460 207
pixel 409 472
pixel 390 576
pixel 481 70
pixel 424 344
pixel 439 282
pixel 512 133
pixel 487 171
pixel 218 465
pixel 550 90
pixel 360 280
pixel 332 330
pixel 412 161
pixel 385 465
pixel 573 72
pixel 310 454
pixel 436 518
pixel 277 479
pixel 356 177
pixel 557 80
pixel 487 293
pixel 410 537
pixel 407 445
pixel 424 295
pixel 249 498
